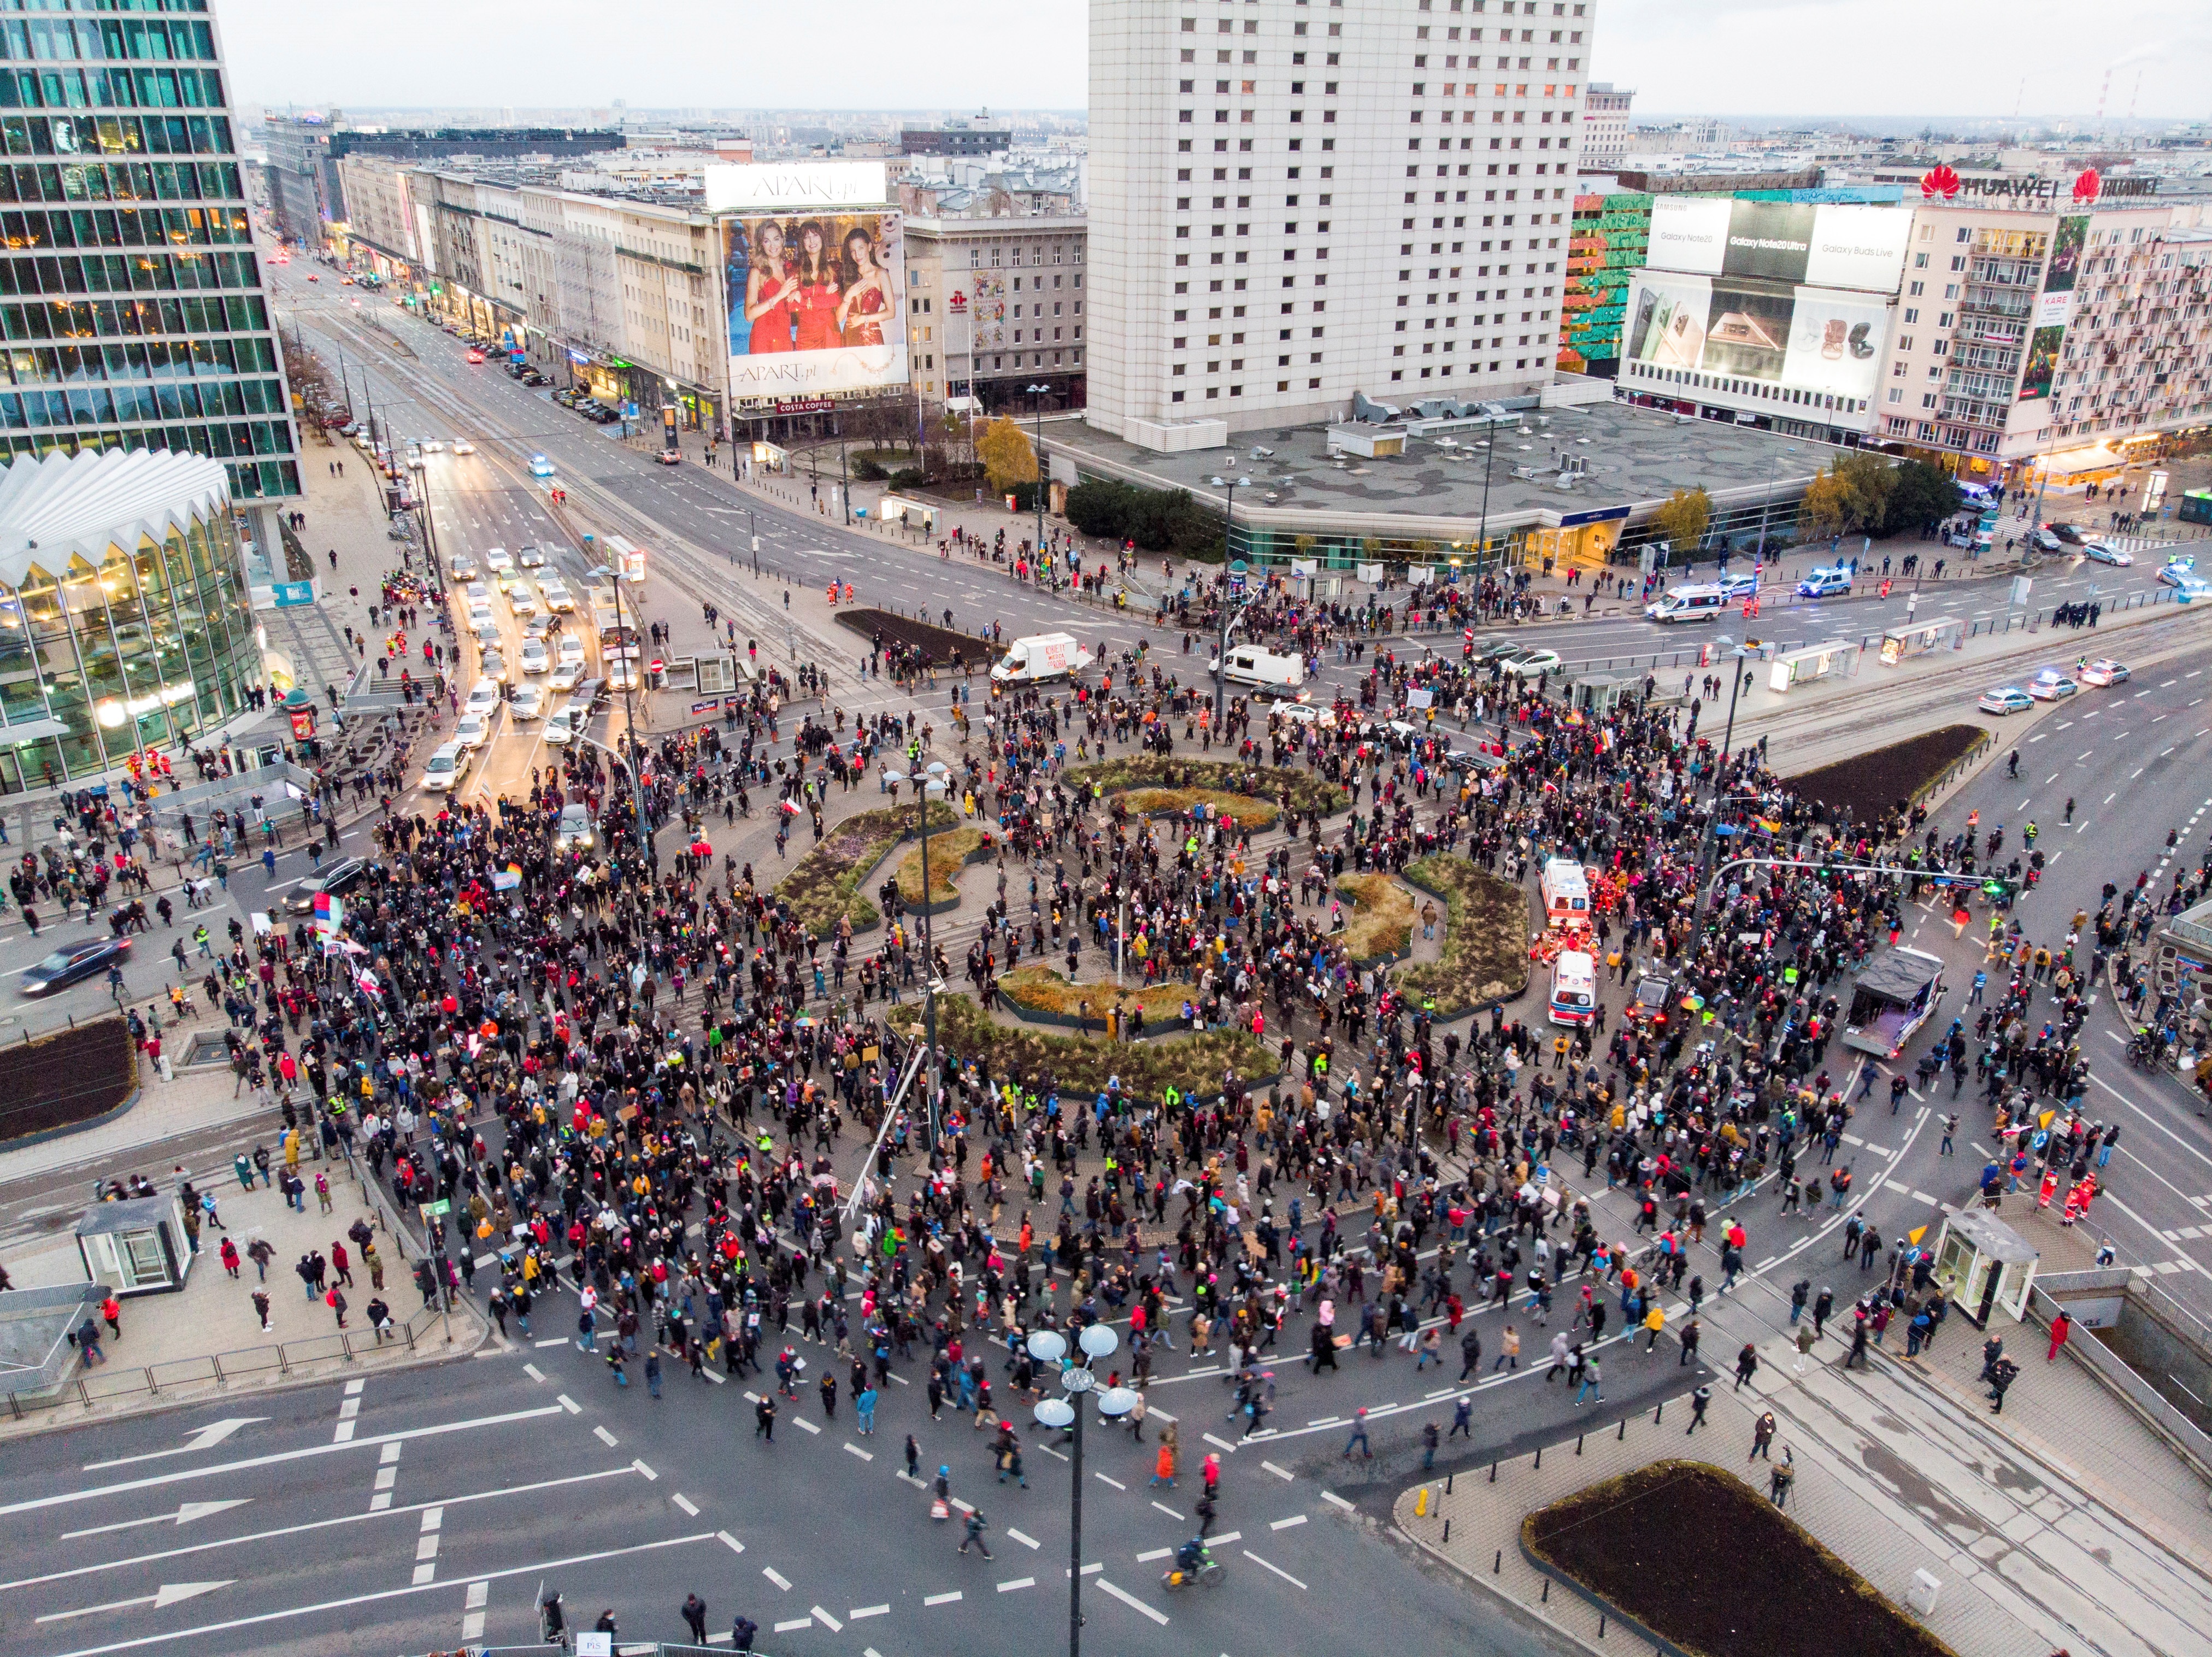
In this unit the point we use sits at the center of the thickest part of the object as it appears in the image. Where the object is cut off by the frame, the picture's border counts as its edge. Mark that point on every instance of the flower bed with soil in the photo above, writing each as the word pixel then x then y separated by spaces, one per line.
pixel 1706 1562
pixel 1486 955
pixel 938 643
pixel 825 884
pixel 1381 928
pixel 1081 1064
pixel 1247 810
pixel 1868 784
pixel 1152 770
pixel 948 855
pixel 67 1078
pixel 1040 995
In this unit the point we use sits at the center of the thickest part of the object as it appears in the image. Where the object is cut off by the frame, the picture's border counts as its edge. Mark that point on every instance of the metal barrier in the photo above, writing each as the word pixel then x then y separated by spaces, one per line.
pixel 107 1384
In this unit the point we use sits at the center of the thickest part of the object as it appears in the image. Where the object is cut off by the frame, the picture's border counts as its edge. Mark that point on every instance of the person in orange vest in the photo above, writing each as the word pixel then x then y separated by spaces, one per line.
pixel 833 592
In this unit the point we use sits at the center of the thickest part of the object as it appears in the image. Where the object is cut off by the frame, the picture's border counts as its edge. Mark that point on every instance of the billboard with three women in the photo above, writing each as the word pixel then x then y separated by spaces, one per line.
pixel 814 278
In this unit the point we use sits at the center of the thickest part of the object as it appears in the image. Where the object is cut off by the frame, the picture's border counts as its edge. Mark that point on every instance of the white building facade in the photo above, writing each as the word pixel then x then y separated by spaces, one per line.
pixel 1294 201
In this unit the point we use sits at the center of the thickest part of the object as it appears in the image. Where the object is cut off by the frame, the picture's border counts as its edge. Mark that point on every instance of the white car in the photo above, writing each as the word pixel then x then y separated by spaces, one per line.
pixel 462 446
pixel 484 696
pixel 2104 671
pixel 434 446
pixel 536 658
pixel 622 674
pixel 529 702
pixel 496 557
pixel 554 592
pixel 566 676
pixel 1534 662
pixel 477 592
pixel 520 599
pixel 530 557
pixel 485 631
pixel 443 771
pixel 473 731
pixel 559 729
pixel 494 667
pixel 570 652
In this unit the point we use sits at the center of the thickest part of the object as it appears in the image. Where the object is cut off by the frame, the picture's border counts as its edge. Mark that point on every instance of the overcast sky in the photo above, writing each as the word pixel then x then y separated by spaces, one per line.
pixel 1876 57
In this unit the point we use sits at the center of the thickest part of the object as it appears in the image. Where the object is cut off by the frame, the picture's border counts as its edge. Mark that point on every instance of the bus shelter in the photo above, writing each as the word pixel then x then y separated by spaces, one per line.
pixel 1903 643
pixel 1837 658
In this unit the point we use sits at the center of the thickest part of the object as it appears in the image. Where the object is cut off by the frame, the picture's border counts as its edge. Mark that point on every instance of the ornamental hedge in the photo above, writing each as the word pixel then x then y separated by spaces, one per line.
pixel 824 886
pixel 1158 520
pixel 1192 1065
pixel 1486 957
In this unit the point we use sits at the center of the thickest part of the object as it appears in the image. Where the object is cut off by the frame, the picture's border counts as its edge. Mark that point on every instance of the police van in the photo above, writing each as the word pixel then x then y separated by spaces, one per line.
pixel 1701 602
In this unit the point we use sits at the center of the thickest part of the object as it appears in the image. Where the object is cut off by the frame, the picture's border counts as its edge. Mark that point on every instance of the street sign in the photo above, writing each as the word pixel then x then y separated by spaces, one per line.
pixel 437 1210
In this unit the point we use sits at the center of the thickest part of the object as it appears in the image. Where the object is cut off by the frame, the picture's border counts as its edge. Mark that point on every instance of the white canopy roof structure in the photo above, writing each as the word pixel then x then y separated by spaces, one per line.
pixel 79 505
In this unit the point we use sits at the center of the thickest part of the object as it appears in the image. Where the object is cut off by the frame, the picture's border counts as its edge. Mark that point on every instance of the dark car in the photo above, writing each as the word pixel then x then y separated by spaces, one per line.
pixel 71 962
pixel 2072 535
pixel 338 880
pixel 531 377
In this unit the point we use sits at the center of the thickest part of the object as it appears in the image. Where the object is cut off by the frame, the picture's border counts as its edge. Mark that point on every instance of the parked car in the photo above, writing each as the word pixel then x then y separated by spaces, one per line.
pixel 2005 699
pixel 71 962
pixel 2072 535
pixel 2104 671
pixel 1826 583
pixel 2051 685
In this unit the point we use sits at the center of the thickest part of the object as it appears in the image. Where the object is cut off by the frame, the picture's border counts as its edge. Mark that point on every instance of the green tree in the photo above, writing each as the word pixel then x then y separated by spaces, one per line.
pixel 1682 517
pixel 1923 495
pixel 1867 480
pixel 1006 455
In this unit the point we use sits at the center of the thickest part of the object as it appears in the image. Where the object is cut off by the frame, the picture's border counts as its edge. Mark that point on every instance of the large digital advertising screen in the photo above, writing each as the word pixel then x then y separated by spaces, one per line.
pixel 1819 245
pixel 815 281
pixel 1823 340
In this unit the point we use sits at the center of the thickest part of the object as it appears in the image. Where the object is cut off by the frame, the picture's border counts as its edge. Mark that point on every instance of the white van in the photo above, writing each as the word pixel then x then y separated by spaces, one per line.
pixel 1043 656
pixel 1566 894
pixel 1264 669
pixel 1699 603
pixel 1574 988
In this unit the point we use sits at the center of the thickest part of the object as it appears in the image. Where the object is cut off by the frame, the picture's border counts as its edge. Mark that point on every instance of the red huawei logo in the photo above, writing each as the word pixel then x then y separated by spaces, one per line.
pixel 2087 186
pixel 1939 183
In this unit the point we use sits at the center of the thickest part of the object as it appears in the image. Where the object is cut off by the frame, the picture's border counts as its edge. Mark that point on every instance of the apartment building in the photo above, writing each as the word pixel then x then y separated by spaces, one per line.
pixel 996 307
pixel 1293 201
pixel 1605 126
pixel 2048 328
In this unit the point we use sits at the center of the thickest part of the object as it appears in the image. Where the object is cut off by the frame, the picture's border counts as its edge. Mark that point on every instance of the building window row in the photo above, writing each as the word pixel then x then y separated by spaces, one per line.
pixel 110 88
pixel 126 227
pixel 257 479
pixel 59 40
pixel 94 136
pixel 124 274
pixel 122 181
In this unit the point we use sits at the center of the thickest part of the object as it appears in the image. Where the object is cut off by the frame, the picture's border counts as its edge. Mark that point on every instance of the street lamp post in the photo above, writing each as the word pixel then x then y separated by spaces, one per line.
pixel 1766 501
pixel 845 482
pixel 1736 660
pixel 934 781
pixel 1228 621
pixel 1050 1346
pixel 629 730
pixel 1036 418
pixel 1489 456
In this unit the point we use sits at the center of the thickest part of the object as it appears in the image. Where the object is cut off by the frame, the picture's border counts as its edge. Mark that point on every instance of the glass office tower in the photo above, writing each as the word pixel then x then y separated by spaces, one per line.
pixel 130 297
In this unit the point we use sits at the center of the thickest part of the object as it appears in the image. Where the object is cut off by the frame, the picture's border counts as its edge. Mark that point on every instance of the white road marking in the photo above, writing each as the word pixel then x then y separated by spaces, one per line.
pixel 1025 1539
pixel 941 1599
pixel 1132 1601
pixel 777 1577
pixel 1017 1582
pixel 1285 1524
pixel 691 1508
pixel 603 1436
pixel 1278 1569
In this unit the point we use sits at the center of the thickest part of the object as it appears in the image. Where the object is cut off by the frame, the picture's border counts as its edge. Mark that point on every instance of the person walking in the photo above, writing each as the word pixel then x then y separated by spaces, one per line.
pixel 975 1536
pixel 1701 1401
pixel 1508 1351
pixel 1746 1365
pixel 1779 1481
pixel 1357 1440
pixel 1462 1420
pixel 1592 1381
pixel 764 1418
pixel 695 1618
pixel 2061 1327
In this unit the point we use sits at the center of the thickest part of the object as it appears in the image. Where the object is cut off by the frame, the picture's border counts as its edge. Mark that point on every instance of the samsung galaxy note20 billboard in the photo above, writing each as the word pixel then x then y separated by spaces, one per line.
pixel 813 277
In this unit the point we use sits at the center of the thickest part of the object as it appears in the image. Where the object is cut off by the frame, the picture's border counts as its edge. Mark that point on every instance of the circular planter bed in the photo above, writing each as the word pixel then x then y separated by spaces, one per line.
pixel 1381 929
pixel 1486 957
pixel 70 1078
pixel 1246 811
pixel 1163 771
pixel 1703 1562
pixel 1037 994
pixel 949 854
pixel 824 886
pixel 1887 778
pixel 1192 1065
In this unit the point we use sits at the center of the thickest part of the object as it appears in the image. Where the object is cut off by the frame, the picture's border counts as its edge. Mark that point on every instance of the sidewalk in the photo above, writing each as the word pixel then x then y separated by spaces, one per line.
pixel 205 1338
pixel 1902 1468
pixel 198 1097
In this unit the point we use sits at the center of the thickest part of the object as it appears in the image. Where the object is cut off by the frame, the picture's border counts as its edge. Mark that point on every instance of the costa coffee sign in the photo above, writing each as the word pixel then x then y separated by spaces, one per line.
pixel 2086 188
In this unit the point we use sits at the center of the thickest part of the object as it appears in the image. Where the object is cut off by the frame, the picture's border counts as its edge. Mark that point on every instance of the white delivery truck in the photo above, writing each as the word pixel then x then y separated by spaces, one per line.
pixel 1040 657
pixel 1264 669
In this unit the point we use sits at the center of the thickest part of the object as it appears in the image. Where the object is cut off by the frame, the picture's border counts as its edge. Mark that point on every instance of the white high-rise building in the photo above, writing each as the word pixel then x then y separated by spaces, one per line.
pixel 1292 200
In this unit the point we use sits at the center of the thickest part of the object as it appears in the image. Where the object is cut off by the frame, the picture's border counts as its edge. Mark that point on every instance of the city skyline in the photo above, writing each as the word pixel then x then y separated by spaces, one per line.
pixel 1991 62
